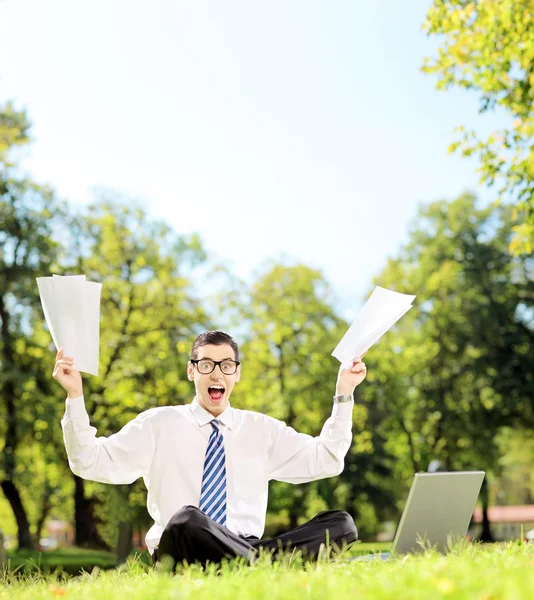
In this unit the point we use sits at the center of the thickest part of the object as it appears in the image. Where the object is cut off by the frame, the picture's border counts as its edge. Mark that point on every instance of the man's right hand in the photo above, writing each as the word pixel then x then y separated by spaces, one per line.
pixel 68 377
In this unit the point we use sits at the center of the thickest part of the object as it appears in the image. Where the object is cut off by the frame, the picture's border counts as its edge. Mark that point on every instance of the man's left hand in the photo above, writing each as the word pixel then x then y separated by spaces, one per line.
pixel 348 379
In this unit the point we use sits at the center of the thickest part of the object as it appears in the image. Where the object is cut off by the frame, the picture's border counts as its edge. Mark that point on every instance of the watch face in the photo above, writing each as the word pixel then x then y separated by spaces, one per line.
pixel 342 398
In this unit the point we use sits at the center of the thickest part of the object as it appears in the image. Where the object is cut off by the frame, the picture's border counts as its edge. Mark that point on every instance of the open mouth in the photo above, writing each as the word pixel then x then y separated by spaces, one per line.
pixel 216 392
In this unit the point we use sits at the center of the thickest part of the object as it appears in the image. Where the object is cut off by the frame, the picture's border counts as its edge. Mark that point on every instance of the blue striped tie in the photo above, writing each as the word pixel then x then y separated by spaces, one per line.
pixel 213 491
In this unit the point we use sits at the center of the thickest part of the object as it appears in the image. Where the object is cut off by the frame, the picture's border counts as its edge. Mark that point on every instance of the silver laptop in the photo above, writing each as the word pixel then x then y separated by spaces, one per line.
pixel 437 512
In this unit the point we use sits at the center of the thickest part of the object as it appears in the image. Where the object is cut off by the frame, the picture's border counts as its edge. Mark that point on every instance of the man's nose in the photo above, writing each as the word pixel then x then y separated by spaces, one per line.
pixel 217 372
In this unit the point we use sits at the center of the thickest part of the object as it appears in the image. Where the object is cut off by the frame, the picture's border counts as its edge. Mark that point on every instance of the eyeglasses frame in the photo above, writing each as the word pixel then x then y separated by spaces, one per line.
pixel 216 363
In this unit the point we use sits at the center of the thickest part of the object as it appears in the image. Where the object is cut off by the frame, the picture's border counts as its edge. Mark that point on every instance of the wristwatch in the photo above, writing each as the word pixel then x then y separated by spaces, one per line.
pixel 340 399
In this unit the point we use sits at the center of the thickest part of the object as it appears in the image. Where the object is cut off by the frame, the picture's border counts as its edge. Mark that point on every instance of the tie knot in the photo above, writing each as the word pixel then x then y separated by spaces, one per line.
pixel 215 424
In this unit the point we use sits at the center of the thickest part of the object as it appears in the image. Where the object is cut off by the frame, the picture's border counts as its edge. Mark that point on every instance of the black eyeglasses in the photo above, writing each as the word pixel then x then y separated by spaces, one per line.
pixel 206 366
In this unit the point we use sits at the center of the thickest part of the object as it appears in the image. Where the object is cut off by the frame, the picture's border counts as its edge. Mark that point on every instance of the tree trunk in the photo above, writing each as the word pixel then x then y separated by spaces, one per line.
pixel 2 552
pixel 11 440
pixel 12 495
pixel 46 505
pixel 296 509
pixel 486 535
pixel 415 463
pixel 125 545
pixel 85 531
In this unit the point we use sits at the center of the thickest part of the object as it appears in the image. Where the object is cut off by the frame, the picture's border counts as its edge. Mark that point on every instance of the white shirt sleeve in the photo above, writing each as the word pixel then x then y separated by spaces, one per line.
pixel 298 457
pixel 121 458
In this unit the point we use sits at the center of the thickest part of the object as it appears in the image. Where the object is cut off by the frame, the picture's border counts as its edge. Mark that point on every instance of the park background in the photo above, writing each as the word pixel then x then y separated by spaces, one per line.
pixel 259 168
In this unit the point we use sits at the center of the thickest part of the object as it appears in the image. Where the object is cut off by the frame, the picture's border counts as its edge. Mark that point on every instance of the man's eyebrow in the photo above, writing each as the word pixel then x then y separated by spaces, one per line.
pixel 222 359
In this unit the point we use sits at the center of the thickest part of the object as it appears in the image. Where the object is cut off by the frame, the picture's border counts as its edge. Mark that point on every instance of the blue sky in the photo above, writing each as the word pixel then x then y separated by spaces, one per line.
pixel 294 129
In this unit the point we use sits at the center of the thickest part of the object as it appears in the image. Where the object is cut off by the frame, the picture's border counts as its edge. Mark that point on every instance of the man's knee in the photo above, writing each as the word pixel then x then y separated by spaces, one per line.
pixel 188 517
pixel 343 525
pixel 347 526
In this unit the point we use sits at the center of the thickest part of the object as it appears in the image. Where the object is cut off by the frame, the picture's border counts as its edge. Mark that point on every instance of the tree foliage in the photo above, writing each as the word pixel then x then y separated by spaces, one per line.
pixel 29 214
pixel 14 132
pixel 288 372
pixel 450 382
pixel 488 47
pixel 150 313
pixel 456 370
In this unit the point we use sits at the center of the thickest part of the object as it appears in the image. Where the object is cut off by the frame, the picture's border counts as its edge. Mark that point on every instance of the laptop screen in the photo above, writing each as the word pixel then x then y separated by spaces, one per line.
pixel 438 510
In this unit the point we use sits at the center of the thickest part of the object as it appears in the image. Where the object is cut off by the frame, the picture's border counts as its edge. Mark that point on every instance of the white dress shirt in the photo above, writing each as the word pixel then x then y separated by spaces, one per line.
pixel 166 447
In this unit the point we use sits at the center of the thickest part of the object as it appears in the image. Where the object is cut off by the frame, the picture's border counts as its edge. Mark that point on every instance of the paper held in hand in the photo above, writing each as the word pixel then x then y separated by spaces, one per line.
pixel 71 306
pixel 383 309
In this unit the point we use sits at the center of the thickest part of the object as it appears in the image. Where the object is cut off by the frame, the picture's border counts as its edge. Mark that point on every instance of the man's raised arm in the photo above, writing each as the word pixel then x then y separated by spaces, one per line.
pixel 298 457
pixel 120 458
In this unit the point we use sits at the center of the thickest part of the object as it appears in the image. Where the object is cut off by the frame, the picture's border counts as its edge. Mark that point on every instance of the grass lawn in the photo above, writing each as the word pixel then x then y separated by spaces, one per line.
pixel 74 561
pixel 71 560
pixel 473 572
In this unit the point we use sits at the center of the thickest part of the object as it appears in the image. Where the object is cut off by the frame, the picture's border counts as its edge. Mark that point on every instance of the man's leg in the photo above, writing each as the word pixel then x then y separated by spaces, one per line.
pixel 329 527
pixel 193 537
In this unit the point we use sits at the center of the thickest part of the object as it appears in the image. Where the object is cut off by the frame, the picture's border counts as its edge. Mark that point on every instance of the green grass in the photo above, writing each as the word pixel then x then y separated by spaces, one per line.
pixel 74 561
pixel 472 572
pixel 71 560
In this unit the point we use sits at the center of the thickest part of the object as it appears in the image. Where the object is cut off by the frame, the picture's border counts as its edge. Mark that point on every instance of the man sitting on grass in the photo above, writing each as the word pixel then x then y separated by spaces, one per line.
pixel 207 465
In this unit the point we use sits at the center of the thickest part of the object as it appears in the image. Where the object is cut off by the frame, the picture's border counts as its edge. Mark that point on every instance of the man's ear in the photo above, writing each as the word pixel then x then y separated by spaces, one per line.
pixel 190 372
pixel 238 374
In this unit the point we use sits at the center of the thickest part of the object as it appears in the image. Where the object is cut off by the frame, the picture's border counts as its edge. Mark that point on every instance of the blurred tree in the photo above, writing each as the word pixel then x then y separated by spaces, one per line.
pixel 42 471
pixel 288 372
pixel 516 484
pixel 14 133
pixel 457 368
pixel 150 314
pixel 28 215
pixel 489 47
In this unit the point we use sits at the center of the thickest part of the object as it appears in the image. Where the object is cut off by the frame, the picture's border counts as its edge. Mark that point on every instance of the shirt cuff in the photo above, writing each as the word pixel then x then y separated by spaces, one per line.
pixel 342 411
pixel 75 407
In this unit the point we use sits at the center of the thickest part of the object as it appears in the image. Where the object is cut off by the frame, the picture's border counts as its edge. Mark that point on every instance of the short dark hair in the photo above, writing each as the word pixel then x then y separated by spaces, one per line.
pixel 215 338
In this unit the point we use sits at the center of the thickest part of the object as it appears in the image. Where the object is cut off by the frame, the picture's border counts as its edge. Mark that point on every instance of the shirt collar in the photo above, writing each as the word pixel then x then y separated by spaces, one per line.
pixel 204 417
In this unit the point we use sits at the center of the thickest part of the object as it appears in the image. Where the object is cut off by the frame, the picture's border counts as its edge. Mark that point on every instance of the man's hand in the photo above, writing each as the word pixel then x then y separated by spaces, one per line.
pixel 68 377
pixel 348 379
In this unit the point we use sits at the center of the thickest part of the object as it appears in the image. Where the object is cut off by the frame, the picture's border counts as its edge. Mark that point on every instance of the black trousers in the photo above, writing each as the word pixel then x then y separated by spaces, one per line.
pixel 193 537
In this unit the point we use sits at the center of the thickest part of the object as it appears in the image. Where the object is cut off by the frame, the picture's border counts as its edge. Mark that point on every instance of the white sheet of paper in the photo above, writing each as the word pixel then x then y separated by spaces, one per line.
pixel 381 311
pixel 50 308
pixel 81 277
pixel 71 306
